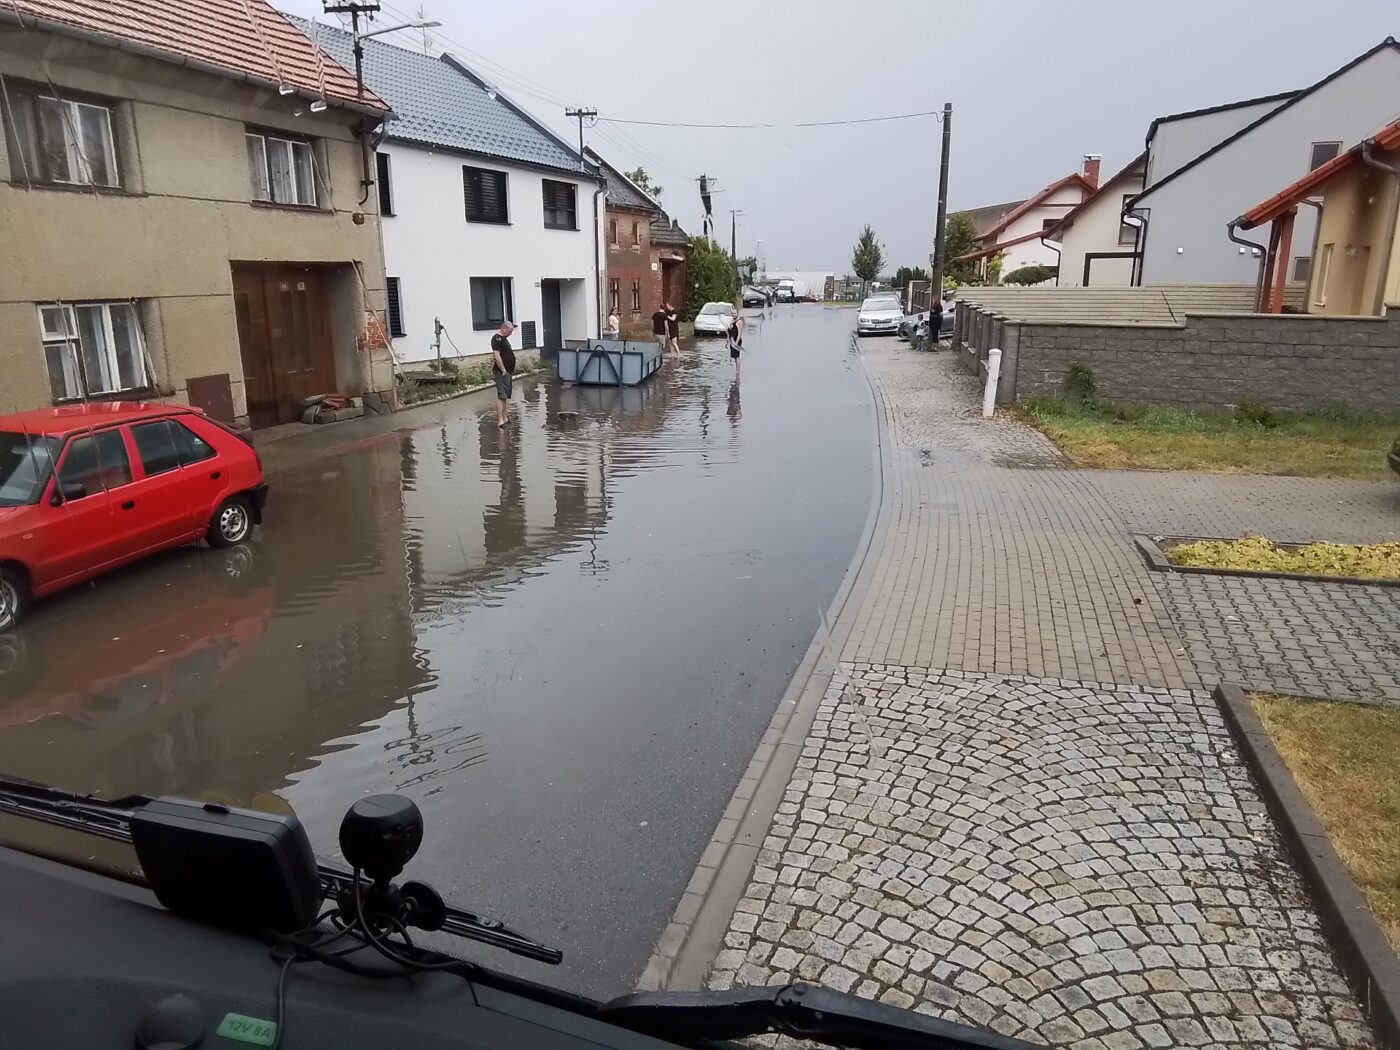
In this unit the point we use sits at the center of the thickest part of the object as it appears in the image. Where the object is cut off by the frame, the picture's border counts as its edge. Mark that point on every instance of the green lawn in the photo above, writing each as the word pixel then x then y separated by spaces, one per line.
pixel 1251 441
pixel 1343 757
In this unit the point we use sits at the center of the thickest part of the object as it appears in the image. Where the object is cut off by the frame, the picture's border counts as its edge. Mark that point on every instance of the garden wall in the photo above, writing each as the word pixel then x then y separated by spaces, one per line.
pixel 1212 361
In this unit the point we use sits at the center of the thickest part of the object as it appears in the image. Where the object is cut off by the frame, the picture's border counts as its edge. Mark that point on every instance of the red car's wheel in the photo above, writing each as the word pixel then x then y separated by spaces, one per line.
pixel 14 595
pixel 233 522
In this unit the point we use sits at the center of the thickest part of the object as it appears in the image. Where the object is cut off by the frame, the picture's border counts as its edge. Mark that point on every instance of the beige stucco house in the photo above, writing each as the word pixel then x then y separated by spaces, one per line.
pixel 1358 254
pixel 1097 247
pixel 184 211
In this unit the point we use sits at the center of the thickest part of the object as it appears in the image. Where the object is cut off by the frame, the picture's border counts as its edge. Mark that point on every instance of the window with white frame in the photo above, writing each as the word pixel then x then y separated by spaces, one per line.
pixel 60 140
pixel 281 171
pixel 93 349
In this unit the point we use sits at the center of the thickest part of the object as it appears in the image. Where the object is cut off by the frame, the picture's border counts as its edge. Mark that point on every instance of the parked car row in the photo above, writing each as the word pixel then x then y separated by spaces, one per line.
pixel 86 488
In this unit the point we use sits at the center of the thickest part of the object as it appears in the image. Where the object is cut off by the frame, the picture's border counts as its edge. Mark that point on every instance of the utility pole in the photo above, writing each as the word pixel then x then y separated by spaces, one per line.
pixel 580 115
pixel 935 289
pixel 355 8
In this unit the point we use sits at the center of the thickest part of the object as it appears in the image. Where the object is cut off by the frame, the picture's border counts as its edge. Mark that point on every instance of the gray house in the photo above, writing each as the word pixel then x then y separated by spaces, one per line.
pixel 1197 182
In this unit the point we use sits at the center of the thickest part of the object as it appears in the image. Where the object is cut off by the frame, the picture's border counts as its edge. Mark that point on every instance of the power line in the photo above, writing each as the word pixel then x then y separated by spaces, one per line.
pixel 937 114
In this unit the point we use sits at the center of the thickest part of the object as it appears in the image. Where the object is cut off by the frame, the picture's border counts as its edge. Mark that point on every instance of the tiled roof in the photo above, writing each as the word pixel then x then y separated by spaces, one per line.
pixel 1137 166
pixel 622 191
pixel 240 37
pixel 440 102
pixel 665 230
pixel 1387 138
pixel 1006 220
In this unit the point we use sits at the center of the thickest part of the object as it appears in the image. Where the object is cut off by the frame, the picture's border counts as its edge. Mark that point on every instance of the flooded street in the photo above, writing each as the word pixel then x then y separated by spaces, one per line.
pixel 563 641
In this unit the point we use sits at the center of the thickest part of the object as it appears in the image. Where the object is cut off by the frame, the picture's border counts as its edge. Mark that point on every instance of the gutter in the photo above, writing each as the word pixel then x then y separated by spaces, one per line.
pixel 598 290
pixel 1059 258
pixel 13 17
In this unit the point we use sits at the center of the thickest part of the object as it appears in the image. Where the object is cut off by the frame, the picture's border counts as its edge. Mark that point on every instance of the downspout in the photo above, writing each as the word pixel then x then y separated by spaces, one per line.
pixel 598 313
pixel 1368 155
pixel 1263 259
pixel 1059 257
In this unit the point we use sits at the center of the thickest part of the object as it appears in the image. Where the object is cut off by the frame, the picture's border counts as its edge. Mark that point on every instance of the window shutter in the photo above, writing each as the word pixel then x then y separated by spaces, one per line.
pixel 485 194
pixel 386 193
pixel 527 335
pixel 396 328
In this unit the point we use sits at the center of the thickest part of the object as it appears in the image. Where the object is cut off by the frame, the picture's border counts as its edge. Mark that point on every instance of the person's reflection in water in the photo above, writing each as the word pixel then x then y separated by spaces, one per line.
pixel 503 525
pixel 735 409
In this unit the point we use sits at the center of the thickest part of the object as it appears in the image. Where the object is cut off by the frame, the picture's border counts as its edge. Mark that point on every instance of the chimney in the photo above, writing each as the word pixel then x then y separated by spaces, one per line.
pixel 1091 169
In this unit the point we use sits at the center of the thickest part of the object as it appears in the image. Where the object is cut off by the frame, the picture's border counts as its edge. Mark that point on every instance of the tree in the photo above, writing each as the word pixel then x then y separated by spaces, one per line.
pixel 1033 274
pixel 643 180
pixel 959 238
pixel 709 276
pixel 905 274
pixel 867 257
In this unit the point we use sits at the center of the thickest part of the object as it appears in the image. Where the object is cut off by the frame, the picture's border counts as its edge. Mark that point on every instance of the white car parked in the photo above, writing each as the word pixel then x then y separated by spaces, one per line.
pixel 879 315
pixel 714 318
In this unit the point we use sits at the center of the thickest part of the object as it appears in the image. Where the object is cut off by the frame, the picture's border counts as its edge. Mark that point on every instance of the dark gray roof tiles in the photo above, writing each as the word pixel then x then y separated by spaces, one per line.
pixel 440 102
pixel 621 192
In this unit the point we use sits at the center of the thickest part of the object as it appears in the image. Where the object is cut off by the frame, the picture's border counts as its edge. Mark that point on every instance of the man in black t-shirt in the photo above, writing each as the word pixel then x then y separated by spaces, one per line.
pixel 659 327
pixel 673 329
pixel 503 366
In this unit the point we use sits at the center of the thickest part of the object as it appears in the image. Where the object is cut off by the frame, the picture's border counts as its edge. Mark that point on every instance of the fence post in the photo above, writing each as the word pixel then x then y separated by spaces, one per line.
pixel 989 394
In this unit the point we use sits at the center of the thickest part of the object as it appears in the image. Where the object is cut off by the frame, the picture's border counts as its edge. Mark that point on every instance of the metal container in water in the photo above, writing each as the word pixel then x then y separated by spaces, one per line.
pixel 609 362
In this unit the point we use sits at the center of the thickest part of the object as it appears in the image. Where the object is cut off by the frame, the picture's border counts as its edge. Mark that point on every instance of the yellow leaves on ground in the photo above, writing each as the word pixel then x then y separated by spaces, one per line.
pixel 1377 561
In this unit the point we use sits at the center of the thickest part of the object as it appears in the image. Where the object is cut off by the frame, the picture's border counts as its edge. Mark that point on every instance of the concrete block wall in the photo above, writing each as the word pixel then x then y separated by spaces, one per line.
pixel 1286 361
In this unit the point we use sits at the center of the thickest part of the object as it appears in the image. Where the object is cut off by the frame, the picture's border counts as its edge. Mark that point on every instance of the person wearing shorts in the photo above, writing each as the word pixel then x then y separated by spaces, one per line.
pixel 673 329
pixel 503 368
pixel 659 327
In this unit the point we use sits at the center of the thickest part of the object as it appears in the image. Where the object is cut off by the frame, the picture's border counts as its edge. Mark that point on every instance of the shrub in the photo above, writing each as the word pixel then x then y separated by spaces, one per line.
pixel 1034 274
pixel 1252 413
pixel 1082 386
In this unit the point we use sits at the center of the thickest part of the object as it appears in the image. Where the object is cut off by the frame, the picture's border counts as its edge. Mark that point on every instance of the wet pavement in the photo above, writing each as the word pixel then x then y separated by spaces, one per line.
pixel 563 641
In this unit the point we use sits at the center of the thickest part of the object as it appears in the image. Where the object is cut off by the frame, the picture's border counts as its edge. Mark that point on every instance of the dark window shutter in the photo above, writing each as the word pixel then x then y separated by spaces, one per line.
pixel 386 194
pixel 396 328
pixel 527 335
pixel 485 194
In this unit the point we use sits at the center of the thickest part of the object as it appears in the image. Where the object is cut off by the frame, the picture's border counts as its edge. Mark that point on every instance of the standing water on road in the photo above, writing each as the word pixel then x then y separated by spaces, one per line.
pixel 563 640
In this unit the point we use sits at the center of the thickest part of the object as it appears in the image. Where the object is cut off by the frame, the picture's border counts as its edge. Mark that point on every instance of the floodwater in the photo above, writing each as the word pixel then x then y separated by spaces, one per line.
pixel 563 641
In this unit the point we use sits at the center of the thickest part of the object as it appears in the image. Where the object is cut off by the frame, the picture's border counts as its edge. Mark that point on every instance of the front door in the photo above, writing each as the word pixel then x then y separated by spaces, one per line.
pixel 551 317
pixel 284 334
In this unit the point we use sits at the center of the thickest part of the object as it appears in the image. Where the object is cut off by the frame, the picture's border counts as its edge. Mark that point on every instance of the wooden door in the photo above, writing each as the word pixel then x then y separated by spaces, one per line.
pixel 284 335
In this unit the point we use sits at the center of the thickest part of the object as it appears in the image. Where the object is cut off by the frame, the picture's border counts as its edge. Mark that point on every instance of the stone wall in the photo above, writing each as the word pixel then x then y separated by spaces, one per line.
pixel 1284 361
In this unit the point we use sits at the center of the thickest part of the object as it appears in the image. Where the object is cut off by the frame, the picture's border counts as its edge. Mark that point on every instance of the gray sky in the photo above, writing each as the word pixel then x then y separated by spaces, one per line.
pixel 1034 86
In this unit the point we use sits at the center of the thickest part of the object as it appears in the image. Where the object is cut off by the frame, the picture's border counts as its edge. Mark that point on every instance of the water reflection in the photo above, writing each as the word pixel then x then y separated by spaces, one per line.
pixel 563 639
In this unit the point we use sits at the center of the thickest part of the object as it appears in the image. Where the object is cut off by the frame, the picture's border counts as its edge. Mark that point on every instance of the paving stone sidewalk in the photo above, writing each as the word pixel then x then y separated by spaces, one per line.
pixel 1017 805
pixel 1083 866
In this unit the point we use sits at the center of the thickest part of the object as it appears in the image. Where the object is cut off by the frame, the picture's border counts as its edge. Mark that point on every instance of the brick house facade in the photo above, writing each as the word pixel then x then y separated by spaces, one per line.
pixel 645 252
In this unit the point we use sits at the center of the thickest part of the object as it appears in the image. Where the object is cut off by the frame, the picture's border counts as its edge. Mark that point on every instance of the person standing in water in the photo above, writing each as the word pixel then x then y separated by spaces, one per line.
pixel 503 367
pixel 734 336
pixel 673 329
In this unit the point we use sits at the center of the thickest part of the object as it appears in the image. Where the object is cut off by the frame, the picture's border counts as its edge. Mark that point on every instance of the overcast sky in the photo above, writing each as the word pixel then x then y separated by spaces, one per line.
pixel 1034 86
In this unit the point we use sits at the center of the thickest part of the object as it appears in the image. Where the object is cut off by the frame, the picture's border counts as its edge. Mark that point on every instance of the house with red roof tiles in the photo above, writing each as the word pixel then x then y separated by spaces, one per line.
pixel 187 211
pixel 1018 235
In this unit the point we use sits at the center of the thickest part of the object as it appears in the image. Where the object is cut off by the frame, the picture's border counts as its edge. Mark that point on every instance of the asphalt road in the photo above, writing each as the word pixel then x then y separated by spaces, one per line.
pixel 564 641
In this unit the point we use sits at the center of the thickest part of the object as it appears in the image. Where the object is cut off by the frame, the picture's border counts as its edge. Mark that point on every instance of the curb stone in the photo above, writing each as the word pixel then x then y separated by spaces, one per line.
pixel 687 948
pixel 1360 945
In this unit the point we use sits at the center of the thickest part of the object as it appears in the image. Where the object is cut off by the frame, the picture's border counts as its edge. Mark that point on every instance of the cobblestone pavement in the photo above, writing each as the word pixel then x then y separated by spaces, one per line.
pixel 1084 866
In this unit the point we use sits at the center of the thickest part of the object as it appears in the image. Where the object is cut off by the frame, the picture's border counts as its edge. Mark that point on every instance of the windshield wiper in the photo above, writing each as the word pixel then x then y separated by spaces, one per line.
pixel 800 1010
pixel 112 820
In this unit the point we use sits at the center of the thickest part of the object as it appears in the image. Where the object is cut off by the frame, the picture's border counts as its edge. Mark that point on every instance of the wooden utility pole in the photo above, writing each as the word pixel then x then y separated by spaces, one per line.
pixel 935 289
pixel 580 115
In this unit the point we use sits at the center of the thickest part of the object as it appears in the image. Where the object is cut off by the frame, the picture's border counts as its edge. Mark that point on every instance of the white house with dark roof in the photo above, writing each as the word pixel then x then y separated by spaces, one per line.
pixel 1207 167
pixel 486 213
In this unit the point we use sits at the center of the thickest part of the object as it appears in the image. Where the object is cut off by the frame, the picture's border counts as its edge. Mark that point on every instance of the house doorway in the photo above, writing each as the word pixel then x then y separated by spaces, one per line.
pixel 551 316
pixel 284 336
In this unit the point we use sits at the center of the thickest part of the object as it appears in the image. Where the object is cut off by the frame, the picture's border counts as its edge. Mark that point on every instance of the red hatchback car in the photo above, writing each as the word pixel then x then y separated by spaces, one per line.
pixel 86 488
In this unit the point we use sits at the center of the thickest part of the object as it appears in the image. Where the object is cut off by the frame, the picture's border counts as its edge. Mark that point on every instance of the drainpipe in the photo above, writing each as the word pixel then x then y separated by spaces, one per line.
pixel 1263 259
pixel 1059 258
pixel 1368 155
pixel 598 291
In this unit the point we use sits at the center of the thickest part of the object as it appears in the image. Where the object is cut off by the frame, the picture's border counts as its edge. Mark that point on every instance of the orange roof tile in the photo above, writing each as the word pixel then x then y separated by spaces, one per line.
pixel 1386 138
pixel 240 36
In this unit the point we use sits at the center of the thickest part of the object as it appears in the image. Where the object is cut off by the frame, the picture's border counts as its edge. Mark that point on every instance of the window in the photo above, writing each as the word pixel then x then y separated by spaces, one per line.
pixel 1302 266
pixel 95 461
pixel 1322 152
pixel 281 171
pixel 560 205
pixel 614 294
pixel 25 460
pixel 1324 270
pixel 60 140
pixel 636 232
pixel 485 191
pixel 92 348
pixel 386 192
pixel 612 231
pixel 396 328
pixel 1127 232
pixel 636 296
pixel 165 444
pixel 491 302
pixel 1048 224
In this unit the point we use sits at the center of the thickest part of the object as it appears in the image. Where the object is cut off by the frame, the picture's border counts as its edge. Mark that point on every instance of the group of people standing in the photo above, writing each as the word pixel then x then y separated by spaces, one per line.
pixel 666 326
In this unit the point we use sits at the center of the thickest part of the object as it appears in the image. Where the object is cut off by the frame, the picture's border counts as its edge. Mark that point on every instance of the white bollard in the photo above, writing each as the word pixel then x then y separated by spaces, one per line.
pixel 989 395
